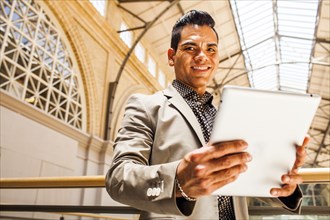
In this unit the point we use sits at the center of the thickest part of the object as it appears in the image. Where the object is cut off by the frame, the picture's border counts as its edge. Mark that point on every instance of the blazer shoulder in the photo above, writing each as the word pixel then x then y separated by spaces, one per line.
pixel 151 100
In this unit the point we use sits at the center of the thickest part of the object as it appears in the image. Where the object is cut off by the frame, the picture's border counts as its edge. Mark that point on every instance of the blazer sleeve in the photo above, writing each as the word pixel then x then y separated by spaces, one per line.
pixel 131 180
pixel 291 203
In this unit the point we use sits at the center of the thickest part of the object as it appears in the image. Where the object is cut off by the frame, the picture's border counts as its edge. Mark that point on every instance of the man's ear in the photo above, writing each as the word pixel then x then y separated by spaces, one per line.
pixel 170 56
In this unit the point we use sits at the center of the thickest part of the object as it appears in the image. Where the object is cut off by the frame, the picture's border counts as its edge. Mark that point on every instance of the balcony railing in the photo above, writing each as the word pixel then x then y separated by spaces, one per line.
pixel 310 175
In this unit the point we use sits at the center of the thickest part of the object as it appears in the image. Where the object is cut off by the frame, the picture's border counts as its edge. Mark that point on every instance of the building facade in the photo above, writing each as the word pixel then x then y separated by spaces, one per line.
pixel 58 59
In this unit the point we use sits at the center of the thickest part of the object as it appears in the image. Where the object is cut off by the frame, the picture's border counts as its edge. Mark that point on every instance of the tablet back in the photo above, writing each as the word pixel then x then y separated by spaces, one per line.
pixel 272 123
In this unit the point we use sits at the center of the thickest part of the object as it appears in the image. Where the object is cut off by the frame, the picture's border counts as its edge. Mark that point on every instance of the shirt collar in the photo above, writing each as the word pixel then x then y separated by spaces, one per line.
pixel 189 94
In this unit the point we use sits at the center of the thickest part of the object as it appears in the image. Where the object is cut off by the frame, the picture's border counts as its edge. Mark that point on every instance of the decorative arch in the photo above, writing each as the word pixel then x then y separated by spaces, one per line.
pixel 74 38
pixel 36 65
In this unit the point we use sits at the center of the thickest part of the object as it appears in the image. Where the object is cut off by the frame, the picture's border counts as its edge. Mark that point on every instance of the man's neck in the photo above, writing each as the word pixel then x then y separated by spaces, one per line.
pixel 199 91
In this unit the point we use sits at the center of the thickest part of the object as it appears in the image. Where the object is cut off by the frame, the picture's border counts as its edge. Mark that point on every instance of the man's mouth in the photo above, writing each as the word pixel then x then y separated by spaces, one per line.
pixel 200 67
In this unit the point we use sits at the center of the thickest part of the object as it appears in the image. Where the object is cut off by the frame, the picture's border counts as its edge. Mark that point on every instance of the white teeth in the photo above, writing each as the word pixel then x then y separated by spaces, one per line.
pixel 200 67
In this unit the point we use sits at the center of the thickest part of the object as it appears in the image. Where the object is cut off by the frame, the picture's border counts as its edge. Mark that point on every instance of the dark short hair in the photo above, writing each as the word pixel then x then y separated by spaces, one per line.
pixel 190 18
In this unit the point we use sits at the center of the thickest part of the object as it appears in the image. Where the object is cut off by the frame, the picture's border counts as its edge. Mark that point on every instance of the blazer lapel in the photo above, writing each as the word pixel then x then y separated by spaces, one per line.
pixel 180 104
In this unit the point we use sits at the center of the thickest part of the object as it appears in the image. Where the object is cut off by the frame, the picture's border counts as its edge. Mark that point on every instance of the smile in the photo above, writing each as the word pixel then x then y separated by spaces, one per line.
pixel 200 67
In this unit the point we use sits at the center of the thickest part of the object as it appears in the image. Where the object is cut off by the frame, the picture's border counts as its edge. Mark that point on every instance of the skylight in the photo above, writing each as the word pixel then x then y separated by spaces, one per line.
pixel 277 39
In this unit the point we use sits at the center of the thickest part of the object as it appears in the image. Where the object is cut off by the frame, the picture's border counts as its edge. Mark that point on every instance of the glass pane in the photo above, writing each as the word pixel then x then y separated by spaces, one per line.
pixel 140 52
pixel 152 66
pixel 161 78
pixel 35 61
pixel 276 33
pixel 126 36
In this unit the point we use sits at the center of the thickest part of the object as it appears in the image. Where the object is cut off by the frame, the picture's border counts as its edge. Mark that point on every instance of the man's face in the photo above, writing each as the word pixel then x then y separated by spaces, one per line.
pixel 196 58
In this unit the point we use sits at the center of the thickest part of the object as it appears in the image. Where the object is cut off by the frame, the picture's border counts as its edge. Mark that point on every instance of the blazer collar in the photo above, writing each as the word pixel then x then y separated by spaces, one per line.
pixel 180 104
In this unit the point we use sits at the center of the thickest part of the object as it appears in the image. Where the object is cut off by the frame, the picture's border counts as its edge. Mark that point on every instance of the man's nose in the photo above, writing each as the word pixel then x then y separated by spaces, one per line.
pixel 200 56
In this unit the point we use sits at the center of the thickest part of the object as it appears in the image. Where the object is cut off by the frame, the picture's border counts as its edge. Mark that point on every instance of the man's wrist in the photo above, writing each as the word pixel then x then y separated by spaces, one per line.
pixel 182 193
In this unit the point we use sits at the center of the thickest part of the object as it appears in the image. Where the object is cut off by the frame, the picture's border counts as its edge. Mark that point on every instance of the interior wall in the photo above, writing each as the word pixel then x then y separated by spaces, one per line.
pixel 34 144
pixel 30 149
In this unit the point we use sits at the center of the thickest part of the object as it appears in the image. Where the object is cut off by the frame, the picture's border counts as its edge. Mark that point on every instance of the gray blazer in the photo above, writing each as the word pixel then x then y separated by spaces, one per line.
pixel 156 132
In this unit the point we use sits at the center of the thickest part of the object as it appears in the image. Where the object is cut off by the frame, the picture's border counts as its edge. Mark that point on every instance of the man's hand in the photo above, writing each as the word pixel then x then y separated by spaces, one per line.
pixel 292 179
pixel 206 169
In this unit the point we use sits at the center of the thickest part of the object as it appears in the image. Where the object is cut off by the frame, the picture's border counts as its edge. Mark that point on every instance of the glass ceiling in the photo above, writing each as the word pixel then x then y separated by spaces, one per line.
pixel 277 39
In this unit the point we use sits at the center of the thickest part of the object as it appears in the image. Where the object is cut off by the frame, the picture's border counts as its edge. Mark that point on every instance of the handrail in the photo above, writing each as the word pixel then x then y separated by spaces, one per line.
pixel 68 210
pixel 315 175
pixel 309 175
pixel 53 182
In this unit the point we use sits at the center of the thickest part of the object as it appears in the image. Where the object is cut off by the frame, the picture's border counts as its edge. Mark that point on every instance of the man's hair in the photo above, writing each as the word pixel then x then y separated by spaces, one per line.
pixel 192 17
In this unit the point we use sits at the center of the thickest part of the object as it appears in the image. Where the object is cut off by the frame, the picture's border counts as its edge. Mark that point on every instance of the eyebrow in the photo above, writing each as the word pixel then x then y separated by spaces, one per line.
pixel 194 44
pixel 212 44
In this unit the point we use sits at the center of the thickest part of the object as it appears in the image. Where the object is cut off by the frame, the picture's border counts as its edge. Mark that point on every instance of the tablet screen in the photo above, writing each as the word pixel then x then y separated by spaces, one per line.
pixel 272 123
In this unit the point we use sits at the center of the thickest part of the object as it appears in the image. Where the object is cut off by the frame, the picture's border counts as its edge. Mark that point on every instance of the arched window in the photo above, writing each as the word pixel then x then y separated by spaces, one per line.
pixel 125 35
pixel 140 52
pixel 35 65
pixel 161 78
pixel 152 66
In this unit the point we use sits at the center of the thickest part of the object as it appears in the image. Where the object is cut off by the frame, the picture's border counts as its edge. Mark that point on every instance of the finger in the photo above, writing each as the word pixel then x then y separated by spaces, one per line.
pixel 222 183
pixel 207 187
pixel 222 175
pixel 300 159
pixel 306 141
pixel 301 149
pixel 217 150
pixel 298 163
pixel 285 191
pixel 225 162
pixel 300 156
pixel 292 179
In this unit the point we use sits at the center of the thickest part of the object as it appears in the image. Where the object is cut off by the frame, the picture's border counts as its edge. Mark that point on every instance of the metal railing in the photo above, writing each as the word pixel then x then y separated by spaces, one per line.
pixel 309 175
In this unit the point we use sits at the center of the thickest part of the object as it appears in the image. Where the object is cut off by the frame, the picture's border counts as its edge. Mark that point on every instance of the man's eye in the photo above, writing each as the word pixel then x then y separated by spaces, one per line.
pixel 212 50
pixel 189 48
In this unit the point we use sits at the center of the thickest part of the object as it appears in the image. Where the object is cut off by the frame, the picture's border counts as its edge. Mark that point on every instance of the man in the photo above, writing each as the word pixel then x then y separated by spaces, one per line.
pixel 162 162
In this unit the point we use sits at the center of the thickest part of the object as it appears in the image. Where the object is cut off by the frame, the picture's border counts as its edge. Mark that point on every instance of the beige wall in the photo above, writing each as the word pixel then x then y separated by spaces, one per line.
pixel 30 149
pixel 34 144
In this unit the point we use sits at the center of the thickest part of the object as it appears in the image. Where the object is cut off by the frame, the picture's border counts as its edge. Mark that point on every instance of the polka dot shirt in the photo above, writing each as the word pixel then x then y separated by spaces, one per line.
pixel 205 113
pixel 201 106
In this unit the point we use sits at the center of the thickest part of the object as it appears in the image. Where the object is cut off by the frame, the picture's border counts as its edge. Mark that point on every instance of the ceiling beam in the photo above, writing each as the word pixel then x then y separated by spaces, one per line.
pixel 131 13
pixel 326 133
pixel 137 1
pixel 180 8
pixel 277 44
pixel 113 85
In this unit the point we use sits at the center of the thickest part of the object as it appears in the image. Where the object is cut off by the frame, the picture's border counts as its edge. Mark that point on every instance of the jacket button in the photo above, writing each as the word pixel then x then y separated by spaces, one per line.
pixel 149 192
pixel 154 191
pixel 158 191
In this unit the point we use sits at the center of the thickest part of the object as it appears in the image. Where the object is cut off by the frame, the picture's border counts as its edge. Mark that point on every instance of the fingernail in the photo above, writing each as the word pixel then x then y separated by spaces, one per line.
pixel 248 157
pixel 286 179
pixel 244 144
pixel 274 193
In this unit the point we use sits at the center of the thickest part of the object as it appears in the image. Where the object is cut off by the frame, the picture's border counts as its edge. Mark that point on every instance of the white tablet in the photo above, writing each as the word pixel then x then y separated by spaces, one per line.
pixel 272 123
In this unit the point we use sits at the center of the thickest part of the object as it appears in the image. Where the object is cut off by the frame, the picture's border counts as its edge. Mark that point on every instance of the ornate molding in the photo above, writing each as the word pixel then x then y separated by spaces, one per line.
pixel 67 21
